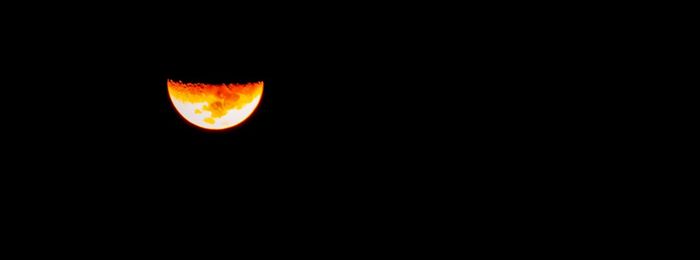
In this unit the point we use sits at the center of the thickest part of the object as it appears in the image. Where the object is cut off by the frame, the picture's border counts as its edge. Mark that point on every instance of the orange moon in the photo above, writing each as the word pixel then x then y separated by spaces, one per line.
pixel 212 106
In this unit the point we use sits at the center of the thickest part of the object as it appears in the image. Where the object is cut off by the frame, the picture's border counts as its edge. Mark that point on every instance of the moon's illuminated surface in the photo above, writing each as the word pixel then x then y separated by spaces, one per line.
pixel 215 106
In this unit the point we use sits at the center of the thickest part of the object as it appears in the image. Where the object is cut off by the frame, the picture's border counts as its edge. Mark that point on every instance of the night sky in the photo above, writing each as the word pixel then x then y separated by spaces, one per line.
pixel 376 122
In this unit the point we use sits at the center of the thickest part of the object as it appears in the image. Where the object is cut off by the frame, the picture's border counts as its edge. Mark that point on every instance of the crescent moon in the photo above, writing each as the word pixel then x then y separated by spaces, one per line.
pixel 215 106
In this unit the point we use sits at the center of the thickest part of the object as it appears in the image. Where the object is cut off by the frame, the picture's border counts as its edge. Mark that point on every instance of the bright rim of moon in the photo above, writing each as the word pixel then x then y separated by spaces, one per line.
pixel 215 107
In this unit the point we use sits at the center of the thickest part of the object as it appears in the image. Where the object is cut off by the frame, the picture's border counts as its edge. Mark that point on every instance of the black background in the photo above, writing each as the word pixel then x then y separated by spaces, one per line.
pixel 374 122
pixel 368 121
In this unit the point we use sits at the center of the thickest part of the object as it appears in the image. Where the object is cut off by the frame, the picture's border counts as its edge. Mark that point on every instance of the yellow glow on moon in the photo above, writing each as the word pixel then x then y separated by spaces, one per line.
pixel 215 107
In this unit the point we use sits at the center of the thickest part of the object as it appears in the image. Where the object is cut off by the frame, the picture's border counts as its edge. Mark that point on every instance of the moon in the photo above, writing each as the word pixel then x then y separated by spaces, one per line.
pixel 215 106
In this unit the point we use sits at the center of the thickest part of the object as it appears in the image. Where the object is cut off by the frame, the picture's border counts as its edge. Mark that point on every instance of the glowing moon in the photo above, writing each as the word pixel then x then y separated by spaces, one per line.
pixel 215 106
